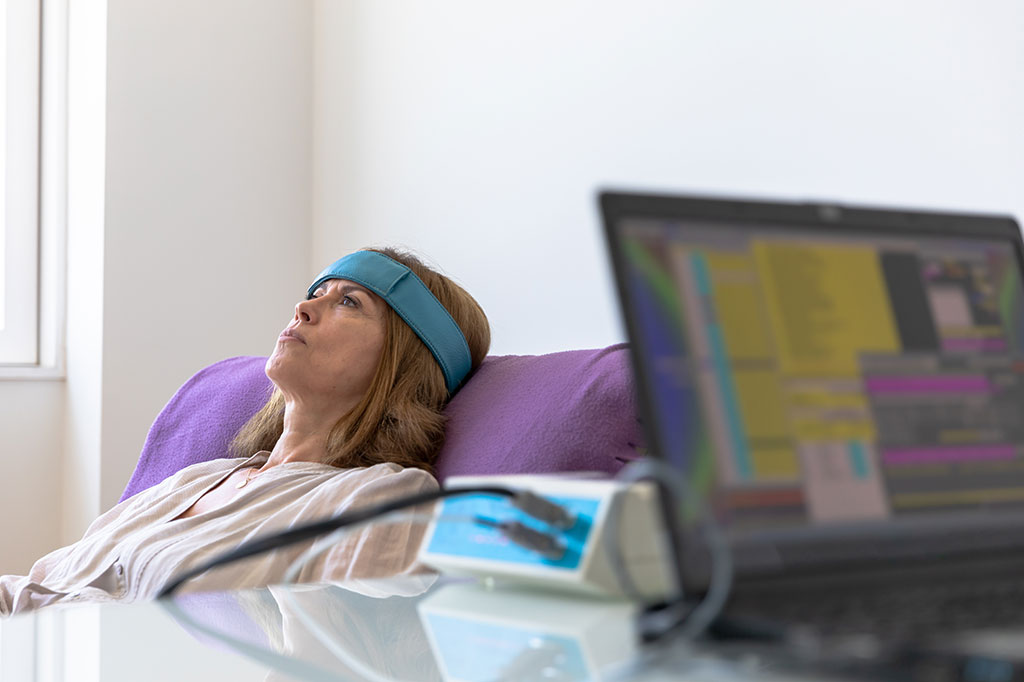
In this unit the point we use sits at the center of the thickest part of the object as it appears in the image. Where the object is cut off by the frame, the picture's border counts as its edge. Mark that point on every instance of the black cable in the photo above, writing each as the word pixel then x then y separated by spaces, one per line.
pixel 680 611
pixel 312 530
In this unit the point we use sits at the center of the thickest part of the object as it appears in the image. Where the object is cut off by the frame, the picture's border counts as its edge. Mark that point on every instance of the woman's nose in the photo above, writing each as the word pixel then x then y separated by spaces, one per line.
pixel 304 311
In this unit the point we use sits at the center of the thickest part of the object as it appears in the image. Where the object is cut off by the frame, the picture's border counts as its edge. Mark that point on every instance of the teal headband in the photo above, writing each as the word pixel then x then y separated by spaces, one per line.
pixel 411 299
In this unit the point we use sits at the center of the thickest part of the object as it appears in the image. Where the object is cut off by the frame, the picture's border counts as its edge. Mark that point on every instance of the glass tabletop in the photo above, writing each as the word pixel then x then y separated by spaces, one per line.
pixel 398 630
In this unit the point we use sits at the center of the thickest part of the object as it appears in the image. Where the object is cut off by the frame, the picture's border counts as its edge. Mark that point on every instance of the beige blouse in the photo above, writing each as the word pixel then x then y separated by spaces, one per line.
pixel 137 547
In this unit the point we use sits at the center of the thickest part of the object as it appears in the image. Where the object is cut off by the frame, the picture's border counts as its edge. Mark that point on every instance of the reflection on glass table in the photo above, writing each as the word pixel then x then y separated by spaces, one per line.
pixel 452 631
pixel 359 630
pixel 399 630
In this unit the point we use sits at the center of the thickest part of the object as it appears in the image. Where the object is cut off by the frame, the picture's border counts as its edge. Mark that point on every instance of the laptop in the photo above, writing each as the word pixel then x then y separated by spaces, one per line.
pixel 843 388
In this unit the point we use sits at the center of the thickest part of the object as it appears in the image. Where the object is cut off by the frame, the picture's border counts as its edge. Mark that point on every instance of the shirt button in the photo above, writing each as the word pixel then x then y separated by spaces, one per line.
pixel 119 569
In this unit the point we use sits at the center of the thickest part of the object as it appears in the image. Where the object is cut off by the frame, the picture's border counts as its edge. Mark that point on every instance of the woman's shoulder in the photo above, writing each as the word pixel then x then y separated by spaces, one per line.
pixel 390 475
pixel 371 485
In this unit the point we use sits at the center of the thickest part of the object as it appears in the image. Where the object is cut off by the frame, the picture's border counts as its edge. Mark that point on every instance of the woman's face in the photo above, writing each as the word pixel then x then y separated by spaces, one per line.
pixel 330 350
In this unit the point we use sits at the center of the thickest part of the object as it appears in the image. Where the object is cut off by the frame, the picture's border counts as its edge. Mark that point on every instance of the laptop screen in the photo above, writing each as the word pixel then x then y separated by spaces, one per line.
pixel 822 373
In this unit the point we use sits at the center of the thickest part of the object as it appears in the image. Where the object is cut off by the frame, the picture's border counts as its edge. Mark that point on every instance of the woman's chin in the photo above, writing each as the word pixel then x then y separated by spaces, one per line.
pixel 275 367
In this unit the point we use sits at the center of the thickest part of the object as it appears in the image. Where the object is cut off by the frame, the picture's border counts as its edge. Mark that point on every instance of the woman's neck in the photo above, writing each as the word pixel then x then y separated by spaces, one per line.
pixel 304 438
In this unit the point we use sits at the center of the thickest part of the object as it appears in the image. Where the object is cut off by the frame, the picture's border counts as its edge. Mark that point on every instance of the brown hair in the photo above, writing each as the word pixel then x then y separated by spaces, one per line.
pixel 400 418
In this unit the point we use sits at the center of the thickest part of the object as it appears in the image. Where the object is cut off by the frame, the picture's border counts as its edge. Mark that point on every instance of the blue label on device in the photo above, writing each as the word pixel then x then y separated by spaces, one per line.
pixel 460 536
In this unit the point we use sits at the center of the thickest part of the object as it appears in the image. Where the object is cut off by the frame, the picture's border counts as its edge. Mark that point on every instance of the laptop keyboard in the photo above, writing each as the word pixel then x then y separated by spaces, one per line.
pixel 910 610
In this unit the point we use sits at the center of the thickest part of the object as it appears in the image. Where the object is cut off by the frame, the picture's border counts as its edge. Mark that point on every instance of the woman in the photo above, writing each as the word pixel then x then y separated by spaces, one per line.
pixel 361 374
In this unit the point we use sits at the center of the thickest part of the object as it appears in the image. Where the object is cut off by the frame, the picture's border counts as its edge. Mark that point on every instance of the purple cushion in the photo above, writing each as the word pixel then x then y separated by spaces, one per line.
pixel 201 419
pixel 568 411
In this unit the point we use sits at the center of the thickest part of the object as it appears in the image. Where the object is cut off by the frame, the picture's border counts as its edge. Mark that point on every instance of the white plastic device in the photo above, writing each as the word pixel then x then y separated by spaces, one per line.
pixel 587 564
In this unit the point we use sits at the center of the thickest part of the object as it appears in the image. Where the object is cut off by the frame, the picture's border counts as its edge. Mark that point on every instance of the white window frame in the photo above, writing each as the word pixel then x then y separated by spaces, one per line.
pixel 19 333
pixel 31 347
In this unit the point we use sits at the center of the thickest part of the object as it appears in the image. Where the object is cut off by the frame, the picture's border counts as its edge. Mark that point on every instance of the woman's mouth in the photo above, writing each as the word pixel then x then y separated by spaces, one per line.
pixel 291 335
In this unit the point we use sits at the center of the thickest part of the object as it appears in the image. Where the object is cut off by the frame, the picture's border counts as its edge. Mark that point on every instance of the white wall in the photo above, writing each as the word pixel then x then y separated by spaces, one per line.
pixel 30 506
pixel 79 488
pixel 478 132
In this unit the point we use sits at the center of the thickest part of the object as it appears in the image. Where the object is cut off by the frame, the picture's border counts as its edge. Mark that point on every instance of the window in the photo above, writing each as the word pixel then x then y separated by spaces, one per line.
pixel 19 182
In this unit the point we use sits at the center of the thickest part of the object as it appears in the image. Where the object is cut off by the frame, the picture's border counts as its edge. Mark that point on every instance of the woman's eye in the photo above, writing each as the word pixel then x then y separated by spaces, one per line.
pixel 348 300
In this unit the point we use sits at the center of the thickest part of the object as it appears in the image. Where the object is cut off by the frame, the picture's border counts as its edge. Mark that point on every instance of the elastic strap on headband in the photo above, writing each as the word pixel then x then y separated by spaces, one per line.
pixel 412 300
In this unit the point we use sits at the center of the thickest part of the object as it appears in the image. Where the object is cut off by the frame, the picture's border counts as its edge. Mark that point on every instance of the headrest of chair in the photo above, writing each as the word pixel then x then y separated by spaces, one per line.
pixel 568 411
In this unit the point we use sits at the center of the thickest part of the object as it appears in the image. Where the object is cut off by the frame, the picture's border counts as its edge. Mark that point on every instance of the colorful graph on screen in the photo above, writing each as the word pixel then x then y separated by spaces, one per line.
pixel 807 378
